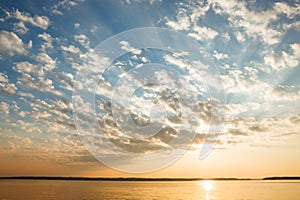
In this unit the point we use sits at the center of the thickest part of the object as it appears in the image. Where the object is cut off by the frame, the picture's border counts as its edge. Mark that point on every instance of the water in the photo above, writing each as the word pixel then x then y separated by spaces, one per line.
pixel 185 190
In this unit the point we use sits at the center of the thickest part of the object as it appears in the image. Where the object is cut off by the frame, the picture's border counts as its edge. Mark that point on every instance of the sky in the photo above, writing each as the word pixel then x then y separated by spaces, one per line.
pixel 81 97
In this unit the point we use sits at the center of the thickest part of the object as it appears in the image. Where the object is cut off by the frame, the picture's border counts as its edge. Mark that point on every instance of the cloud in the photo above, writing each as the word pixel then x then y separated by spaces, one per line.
pixel 284 8
pixel 66 79
pixel 44 64
pixel 47 63
pixel 283 93
pixel 5 85
pixel 281 60
pixel 3 78
pixel 260 132
pixel 40 84
pixel 253 23
pixel 71 49
pixel 47 41
pixel 20 28
pixel 187 20
pixel 220 56
pixel 295 119
pixel 11 44
pixel 202 33
pixel 58 107
pixel 294 25
pixel 188 16
pixel 61 5
pixel 73 56
pixel 76 25
pixel 93 29
pixel 127 47
pixel 141 1
pixel 39 21
pixel 83 40
pixel 26 67
pixel 244 81
pixel 4 107
pixel 232 109
pixel 26 94
pixel 183 21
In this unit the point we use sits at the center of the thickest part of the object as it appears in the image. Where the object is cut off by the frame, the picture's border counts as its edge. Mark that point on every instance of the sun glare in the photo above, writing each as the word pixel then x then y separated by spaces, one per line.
pixel 207 185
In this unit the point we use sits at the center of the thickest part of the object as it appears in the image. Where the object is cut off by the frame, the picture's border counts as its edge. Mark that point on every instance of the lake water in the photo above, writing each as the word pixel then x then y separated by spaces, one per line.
pixel 185 190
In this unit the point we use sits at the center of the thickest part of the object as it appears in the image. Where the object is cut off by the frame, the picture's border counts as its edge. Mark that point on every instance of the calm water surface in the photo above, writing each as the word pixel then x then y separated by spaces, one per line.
pixel 206 190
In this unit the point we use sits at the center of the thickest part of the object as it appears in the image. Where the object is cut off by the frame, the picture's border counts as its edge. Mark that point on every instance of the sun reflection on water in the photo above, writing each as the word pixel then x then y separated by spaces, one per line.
pixel 207 186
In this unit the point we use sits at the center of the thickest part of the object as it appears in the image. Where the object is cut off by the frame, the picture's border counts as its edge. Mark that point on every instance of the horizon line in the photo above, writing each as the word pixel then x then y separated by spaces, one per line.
pixel 145 178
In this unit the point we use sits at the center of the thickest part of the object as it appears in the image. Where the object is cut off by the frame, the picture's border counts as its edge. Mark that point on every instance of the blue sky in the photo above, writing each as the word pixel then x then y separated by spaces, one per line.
pixel 254 44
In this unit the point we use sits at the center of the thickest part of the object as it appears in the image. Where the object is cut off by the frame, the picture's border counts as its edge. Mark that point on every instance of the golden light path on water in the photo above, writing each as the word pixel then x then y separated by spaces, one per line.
pixel 207 187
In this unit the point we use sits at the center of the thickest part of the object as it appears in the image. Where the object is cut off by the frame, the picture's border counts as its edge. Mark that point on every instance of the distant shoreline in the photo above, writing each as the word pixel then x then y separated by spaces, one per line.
pixel 142 179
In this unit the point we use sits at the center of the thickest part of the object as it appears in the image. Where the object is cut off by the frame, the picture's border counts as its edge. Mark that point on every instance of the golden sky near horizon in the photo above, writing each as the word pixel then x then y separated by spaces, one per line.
pixel 57 80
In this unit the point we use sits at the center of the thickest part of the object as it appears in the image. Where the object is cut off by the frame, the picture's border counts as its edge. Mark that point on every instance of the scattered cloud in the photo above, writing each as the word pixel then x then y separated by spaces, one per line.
pixel 39 21
pixel 4 107
pixel 83 40
pixel 220 56
pixel 5 85
pixel 76 25
pixel 40 84
pixel 47 41
pixel 11 44
pixel 127 47
pixel 58 8
pixel 281 60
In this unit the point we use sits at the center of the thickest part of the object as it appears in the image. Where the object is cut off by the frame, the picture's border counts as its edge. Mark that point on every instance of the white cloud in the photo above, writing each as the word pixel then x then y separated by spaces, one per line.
pixel 76 25
pixel 47 63
pixel 141 1
pixel 25 94
pixel 40 84
pixel 71 49
pixel 47 44
pixel 73 55
pixel 9 88
pixel 278 61
pixel 226 36
pixel 3 78
pixel 39 21
pixel 244 81
pixel 127 47
pixel 63 4
pixel 282 93
pixel 284 8
pixel 294 25
pixel 26 67
pixel 188 16
pixel 235 109
pixel 4 107
pixel 5 86
pixel 83 40
pixel 220 56
pixel 203 33
pixel 255 24
pixel 240 36
pixel 187 20
pixel 20 28
pixel 94 28
pixel 66 79
pixel 11 44
pixel 183 21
